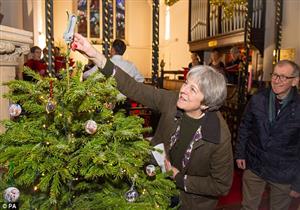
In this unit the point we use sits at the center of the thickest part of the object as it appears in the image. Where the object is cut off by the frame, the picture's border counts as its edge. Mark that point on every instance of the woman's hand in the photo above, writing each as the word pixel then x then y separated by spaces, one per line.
pixel 169 167
pixel 294 194
pixel 82 45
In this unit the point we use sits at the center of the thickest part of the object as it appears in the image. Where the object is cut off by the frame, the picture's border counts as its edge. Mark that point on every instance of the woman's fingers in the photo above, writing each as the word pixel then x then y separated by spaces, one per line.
pixel 167 165
pixel 73 46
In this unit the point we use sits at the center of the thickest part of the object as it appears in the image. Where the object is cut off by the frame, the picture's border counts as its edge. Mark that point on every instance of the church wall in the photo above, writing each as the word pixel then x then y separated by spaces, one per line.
pixel 291 27
pixel 139 34
pixel 60 18
pixel 9 9
pixel 175 51
pixel 290 33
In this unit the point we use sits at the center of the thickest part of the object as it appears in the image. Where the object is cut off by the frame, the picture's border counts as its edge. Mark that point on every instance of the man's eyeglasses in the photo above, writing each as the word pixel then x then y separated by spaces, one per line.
pixel 282 78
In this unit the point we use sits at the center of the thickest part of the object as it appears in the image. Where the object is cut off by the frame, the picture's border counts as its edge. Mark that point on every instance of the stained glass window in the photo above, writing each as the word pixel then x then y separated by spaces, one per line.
pixel 94 19
pixel 90 21
pixel 120 19
pixel 82 17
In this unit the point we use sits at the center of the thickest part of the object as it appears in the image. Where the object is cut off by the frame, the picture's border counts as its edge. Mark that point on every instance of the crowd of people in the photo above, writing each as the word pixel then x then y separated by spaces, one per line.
pixel 196 138
pixel 229 69
pixel 195 135
pixel 39 64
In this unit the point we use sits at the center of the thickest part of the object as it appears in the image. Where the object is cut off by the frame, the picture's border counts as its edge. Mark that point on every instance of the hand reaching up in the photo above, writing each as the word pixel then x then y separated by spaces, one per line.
pixel 82 45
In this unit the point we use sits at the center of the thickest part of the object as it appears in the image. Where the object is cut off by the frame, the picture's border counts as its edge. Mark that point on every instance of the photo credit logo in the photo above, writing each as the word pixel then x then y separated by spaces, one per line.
pixel 14 206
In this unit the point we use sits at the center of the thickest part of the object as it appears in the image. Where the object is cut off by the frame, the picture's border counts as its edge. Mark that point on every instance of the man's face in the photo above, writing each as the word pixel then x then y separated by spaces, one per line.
pixel 234 56
pixel 112 52
pixel 214 56
pixel 283 80
pixel 37 54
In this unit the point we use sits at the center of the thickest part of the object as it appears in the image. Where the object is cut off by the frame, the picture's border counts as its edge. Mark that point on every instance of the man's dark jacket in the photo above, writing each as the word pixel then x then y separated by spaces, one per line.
pixel 271 150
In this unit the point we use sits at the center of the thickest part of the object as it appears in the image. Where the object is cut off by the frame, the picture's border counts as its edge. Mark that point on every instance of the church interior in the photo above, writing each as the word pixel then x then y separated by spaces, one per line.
pixel 163 39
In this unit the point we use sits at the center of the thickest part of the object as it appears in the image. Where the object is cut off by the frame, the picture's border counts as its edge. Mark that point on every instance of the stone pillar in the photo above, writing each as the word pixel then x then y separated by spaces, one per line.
pixel 14 44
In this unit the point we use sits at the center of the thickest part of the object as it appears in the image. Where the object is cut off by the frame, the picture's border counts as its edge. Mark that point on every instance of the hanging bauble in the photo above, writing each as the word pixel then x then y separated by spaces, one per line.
pixel 91 127
pixel 50 106
pixel 15 110
pixel 131 195
pixel 11 194
pixel 150 170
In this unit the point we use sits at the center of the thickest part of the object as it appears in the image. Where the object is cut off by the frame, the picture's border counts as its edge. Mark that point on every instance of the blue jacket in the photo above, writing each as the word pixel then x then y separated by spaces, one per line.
pixel 271 151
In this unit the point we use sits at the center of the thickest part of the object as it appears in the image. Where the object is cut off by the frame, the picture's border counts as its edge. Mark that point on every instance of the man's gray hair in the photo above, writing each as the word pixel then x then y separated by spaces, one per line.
pixel 211 83
pixel 296 69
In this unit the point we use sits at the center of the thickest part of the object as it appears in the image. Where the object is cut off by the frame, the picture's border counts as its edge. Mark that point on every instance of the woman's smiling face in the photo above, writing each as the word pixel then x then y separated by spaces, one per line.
pixel 190 98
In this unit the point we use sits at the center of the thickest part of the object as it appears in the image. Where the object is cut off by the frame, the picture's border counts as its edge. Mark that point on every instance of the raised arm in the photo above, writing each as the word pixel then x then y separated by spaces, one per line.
pixel 82 45
pixel 150 96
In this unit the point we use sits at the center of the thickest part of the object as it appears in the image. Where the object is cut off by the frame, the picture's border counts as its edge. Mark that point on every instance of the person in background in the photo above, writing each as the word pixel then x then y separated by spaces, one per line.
pixel 117 50
pixel 88 66
pixel 45 52
pixel 196 138
pixel 216 62
pixel 195 60
pixel 35 63
pixel 268 146
pixel 59 60
pixel 232 68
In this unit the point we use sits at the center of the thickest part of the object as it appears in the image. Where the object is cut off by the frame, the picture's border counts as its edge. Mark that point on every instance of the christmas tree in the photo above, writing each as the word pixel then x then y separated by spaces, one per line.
pixel 65 148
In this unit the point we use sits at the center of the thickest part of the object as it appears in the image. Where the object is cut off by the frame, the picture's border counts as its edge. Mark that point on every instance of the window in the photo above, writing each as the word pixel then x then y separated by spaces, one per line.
pixel 167 24
pixel 90 22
